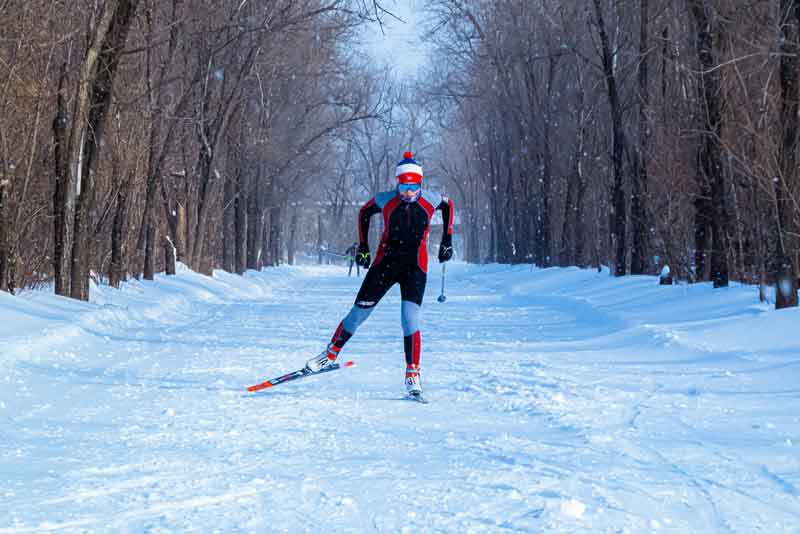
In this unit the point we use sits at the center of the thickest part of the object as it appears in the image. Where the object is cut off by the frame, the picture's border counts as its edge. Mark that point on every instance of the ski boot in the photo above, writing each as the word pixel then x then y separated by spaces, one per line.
pixel 413 382
pixel 323 360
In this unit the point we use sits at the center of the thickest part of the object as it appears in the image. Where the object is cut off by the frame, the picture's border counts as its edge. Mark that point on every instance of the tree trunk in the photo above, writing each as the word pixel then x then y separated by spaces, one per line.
pixel 241 224
pixel 190 195
pixel 171 215
pixel 64 192
pixel 99 82
pixel 147 237
pixel 639 222
pixel 711 171
pixel 157 149
pixel 207 187
pixel 473 220
pixel 572 235
pixel 702 226
pixel 547 172
pixel 181 235
pixel 320 238
pixel 229 226
pixel 565 257
pixel 618 147
pixel 291 246
pixel 275 233
pixel 494 207
pixel 511 217
pixel 578 223
pixel 117 269
pixel 170 255
pixel 151 225
pixel 577 215
pixel 255 225
pixel 270 234
pixel 702 204
pixel 508 238
pixel 786 244
pixel 5 183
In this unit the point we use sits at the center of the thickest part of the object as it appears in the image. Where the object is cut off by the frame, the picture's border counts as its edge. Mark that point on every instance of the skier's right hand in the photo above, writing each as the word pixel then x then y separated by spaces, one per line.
pixel 446 249
pixel 362 256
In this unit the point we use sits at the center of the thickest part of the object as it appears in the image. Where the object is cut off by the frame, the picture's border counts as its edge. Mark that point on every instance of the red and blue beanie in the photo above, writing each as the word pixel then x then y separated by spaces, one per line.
pixel 408 170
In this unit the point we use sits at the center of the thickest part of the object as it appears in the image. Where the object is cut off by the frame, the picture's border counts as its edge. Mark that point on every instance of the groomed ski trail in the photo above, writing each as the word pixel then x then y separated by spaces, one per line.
pixel 560 401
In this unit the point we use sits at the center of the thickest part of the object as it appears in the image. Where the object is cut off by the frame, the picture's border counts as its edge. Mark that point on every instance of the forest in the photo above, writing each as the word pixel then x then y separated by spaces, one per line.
pixel 238 135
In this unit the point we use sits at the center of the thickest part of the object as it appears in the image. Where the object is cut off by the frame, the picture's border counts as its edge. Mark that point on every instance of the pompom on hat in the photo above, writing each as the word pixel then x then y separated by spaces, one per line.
pixel 408 170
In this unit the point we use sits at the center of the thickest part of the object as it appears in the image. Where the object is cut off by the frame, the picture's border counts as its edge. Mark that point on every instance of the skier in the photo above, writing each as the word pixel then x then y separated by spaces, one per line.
pixel 401 258
pixel 351 257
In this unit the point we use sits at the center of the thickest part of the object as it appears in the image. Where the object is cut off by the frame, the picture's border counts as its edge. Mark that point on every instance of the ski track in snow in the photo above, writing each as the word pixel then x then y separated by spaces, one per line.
pixel 561 400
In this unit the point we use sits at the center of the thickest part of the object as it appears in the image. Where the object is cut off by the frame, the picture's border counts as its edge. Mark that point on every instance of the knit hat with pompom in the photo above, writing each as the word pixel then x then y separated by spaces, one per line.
pixel 408 170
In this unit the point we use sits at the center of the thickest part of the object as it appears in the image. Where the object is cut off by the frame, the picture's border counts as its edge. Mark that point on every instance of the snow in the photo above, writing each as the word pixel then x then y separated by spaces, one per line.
pixel 562 400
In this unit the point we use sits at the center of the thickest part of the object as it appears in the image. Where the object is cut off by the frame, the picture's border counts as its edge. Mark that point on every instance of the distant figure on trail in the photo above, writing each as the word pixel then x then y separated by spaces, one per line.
pixel 351 257
pixel 665 279
pixel 401 258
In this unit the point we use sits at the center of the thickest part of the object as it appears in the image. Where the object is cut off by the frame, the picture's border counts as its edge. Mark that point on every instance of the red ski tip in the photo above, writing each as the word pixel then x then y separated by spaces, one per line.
pixel 348 364
pixel 258 387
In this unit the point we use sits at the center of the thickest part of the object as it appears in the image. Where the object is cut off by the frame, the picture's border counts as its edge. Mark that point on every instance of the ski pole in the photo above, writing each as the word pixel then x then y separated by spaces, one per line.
pixel 442 298
pixel 329 253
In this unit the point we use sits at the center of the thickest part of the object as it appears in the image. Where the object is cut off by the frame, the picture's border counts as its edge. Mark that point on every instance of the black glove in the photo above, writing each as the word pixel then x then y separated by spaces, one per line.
pixel 362 256
pixel 446 249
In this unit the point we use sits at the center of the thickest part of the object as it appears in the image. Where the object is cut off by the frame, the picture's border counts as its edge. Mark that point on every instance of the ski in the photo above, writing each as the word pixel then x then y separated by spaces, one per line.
pixel 417 397
pixel 294 375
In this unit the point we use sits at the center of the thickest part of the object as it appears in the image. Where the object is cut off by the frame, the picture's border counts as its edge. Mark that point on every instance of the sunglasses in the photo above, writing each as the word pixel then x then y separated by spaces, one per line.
pixel 405 188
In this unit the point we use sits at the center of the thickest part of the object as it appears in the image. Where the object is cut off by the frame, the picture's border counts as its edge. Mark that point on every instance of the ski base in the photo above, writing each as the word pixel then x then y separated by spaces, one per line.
pixel 294 375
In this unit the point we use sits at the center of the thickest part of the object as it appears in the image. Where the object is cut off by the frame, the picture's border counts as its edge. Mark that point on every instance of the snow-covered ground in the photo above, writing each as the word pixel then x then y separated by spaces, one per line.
pixel 562 400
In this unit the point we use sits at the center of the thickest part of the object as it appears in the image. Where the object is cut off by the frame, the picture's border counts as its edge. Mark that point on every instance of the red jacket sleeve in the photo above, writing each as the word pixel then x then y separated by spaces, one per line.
pixel 447 218
pixel 364 214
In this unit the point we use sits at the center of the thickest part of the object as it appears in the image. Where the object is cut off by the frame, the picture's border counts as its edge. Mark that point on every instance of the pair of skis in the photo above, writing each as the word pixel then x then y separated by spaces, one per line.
pixel 304 373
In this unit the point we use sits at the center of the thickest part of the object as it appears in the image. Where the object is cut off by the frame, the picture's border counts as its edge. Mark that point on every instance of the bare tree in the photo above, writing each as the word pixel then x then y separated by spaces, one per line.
pixel 113 40
pixel 618 142
pixel 712 208
pixel 70 140
pixel 640 227
pixel 786 183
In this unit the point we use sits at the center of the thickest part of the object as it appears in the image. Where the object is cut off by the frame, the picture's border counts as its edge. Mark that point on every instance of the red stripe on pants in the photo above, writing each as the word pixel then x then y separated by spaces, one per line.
pixel 413 347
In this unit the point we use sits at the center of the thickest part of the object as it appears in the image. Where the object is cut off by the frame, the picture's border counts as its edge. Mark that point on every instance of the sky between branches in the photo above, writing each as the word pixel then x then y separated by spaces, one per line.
pixel 399 44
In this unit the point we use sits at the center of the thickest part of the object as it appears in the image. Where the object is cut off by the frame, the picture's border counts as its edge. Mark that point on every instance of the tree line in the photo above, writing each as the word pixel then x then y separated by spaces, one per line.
pixel 632 133
pixel 138 133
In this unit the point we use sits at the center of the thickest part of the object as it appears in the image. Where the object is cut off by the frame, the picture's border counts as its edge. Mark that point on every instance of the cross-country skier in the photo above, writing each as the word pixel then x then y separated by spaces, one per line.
pixel 401 258
pixel 351 252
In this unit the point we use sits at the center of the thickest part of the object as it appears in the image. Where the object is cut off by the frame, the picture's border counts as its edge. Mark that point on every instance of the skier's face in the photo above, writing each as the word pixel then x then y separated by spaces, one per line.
pixel 408 192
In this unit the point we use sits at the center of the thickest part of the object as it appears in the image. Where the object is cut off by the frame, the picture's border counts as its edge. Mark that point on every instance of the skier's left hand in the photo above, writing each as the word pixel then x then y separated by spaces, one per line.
pixel 445 252
pixel 363 257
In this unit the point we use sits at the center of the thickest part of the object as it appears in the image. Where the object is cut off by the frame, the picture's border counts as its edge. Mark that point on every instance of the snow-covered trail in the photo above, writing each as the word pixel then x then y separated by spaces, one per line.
pixel 561 401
